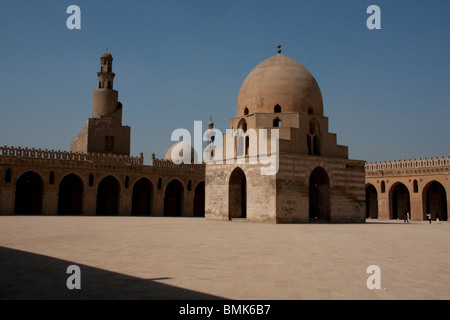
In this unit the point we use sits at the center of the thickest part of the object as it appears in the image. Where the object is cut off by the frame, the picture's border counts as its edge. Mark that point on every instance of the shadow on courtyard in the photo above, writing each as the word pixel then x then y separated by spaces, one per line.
pixel 29 276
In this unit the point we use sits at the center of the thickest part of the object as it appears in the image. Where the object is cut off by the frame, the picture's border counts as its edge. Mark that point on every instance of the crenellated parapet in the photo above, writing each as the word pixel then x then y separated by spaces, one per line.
pixel 97 161
pixel 408 167
pixel 34 153
pixel 162 163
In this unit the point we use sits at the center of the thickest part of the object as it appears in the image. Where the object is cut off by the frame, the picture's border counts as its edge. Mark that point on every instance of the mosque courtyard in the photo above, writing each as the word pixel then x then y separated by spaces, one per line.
pixel 195 258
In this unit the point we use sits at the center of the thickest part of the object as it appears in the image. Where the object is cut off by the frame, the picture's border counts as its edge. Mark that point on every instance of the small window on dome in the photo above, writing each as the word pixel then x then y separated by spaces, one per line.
pixel 246 111
pixel 310 110
pixel 277 109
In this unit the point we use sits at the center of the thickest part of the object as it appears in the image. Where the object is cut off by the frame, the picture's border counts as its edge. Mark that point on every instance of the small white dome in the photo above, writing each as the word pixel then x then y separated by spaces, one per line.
pixel 179 153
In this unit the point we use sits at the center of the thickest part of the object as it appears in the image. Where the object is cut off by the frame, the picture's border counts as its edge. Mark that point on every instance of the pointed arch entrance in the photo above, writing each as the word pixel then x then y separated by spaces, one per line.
pixel 319 195
pixel 435 201
pixel 108 194
pixel 371 202
pixel 173 199
pixel 29 192
pixel 70 196
pixel 399 201
pixel 142 198
pixel 199 200
pixel 237 200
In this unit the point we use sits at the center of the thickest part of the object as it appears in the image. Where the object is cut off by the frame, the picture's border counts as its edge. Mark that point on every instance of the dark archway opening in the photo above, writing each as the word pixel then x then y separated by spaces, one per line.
pixel 108 194
pixel 142 198
pixel 435 201
pixel 237 201
pixel 29 192
pixel 173 199
pixel 399 201
pixel 199 200
pixel 70 196
pixel 319 195
pixel 371 202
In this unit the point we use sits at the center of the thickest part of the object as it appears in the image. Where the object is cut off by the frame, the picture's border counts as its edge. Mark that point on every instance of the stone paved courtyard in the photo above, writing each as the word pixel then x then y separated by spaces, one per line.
pixel 193 258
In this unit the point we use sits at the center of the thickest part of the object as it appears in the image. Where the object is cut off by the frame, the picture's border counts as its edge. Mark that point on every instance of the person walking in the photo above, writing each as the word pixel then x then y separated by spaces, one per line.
pixel 407 217
pixel 429 217
pixel 405 220
pixel 437 218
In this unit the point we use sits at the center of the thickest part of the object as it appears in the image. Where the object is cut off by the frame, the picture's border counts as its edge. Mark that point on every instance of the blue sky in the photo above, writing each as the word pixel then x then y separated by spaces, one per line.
pixel 386 92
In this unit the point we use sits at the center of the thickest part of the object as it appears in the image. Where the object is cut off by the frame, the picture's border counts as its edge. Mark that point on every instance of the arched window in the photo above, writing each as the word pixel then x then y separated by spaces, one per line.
pixel 277 109
pixel 277 123
pixel 313 138
pixel 247 145
pixel 51 178
pixel 91 180
pixel 8 176
pixel 415 186
pixel 159 184
pixel 310 110
pixel 127 182
pixel 246 111
pixel 189 186
pixel 383 187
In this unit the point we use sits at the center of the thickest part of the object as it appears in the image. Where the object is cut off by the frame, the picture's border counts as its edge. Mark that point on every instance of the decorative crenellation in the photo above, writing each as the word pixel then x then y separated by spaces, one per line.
pixel 405 164
pixel 169 164
pixel 34 153
pixel 401 167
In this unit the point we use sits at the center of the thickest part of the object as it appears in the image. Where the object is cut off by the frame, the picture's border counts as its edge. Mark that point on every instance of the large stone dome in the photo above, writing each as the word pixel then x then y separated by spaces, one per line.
pixel 280 81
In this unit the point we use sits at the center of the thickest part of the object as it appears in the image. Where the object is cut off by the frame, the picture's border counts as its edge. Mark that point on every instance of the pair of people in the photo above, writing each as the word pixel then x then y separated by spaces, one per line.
pixel 429 218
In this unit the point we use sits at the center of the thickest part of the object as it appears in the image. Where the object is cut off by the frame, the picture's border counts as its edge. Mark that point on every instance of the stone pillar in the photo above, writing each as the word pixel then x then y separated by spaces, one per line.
pixel 7 201
pixel 50 202
pixel 90 202
pixel 125 204
pixel 188 204
pixel 416 208
pixel 158 204
pixel 383 206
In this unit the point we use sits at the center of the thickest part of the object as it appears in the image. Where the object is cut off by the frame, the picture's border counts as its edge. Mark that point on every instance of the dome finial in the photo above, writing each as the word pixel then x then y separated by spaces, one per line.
pixel 279 48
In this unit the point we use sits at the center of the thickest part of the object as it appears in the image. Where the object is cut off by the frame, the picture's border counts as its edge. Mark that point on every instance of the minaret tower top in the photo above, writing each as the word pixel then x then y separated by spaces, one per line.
pixel 106 76
pixel 105 100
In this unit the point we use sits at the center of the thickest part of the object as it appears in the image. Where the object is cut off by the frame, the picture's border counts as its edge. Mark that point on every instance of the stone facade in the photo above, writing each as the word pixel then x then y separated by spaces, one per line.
pixel 315 180
pixel 416 186
pixel 58 173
